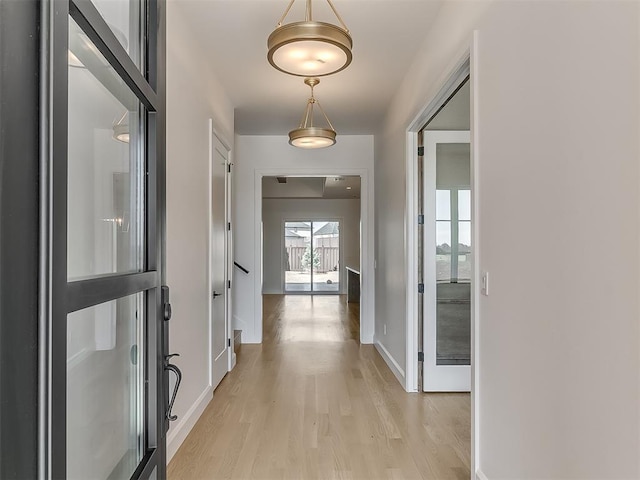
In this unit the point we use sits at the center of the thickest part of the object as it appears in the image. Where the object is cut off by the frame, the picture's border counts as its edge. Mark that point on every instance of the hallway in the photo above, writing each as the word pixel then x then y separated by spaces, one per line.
pixel 311 402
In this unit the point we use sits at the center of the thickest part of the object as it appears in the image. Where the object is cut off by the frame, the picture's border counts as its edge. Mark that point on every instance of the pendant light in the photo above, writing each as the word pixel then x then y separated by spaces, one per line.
pixel 310 48
pixel 308 136
pixel 121 129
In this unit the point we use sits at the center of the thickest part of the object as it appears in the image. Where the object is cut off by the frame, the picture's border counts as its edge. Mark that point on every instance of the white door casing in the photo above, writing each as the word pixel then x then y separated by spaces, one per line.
pixel 218 259
pixel 437 378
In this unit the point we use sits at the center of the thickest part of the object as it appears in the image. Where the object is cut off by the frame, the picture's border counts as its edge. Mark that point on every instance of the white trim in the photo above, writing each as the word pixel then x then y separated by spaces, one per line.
pixel 228 252
pixel 450 83
pixel 411 256
pixel 178 432
pixel 228 246
pixel 391 362
pixel 475 268
pixel 210 134
pixel 480 475
pixel 367 305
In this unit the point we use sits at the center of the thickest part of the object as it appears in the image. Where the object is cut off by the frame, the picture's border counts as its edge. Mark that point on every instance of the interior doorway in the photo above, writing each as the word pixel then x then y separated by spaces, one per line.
pixel 311 235
pixel 442 193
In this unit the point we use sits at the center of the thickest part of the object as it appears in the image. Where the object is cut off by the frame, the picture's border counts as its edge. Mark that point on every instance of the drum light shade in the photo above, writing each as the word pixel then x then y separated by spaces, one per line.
pixel 312 137
pixel 309 48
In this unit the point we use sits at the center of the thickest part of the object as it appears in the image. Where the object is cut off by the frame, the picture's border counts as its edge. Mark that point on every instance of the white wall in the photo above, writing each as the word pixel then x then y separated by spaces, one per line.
pixel 193 97
pixel 276 211
pixel 258 156
pixel 557 110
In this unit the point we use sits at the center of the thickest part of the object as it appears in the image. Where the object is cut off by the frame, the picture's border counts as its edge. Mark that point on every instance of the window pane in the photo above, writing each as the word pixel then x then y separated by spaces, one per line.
pixel 106 167
pixel 443 251
pixel 464 204
pixel 105 389
pixel 124 19
pixel 443 205
pixel 464 251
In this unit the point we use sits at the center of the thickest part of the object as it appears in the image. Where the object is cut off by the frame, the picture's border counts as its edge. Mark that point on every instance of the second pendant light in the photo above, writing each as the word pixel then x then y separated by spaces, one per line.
pixel 307 135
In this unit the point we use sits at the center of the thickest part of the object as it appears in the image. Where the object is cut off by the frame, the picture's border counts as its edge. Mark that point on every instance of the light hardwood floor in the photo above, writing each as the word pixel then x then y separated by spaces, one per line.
pixel 312 403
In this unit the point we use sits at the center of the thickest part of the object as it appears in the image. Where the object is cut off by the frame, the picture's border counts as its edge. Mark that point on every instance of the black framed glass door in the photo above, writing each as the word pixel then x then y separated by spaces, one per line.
pixel 83 174
pixel 113 379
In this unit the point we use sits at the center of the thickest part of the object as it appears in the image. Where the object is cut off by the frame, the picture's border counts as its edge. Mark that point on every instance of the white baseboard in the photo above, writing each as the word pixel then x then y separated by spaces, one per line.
pixel 480 475
pixel 272 291
pixel 234 360
pixel 391 362
pixel 178 432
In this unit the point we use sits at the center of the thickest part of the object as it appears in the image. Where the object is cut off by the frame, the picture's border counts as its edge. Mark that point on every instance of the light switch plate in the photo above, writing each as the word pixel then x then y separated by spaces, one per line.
pixel 485 284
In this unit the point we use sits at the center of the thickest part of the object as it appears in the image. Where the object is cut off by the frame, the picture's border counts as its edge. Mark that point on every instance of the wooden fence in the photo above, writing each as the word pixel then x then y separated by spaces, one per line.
pixel 329 258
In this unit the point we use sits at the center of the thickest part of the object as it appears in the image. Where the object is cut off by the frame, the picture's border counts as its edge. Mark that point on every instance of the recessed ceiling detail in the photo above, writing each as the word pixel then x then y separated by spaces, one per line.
pixel 348 188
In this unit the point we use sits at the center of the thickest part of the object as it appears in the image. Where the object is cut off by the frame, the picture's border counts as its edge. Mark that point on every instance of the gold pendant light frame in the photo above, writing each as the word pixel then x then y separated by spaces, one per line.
pixel 307 135
pixel 310 48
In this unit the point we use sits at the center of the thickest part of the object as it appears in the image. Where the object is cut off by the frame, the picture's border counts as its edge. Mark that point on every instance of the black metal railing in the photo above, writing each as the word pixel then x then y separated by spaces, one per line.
pixel 241 267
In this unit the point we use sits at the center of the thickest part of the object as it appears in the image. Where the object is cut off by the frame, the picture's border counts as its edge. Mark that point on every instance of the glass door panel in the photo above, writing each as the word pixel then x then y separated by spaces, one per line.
pixel 109 385
pixel 312 256
pixel 443 236
pixel 124 19
pixel 105 389
pixel 326 267
pixel 298 257
pixel 464 235
pixel 105 219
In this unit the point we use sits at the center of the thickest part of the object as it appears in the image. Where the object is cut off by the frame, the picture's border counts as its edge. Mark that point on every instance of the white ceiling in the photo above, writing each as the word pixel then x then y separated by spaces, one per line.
pixel 386 36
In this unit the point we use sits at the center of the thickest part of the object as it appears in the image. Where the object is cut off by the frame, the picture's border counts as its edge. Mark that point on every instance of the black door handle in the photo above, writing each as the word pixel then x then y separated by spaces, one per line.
pixel 173 368
pixel 215 294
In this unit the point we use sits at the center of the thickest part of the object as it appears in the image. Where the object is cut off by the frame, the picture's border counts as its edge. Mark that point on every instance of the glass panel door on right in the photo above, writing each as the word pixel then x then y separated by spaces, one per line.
pixel 447 256
pixel 312 257
pixel 326 247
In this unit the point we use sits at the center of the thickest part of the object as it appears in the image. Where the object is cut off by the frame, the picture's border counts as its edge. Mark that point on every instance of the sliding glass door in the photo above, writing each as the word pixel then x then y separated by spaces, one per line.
pixel 312 256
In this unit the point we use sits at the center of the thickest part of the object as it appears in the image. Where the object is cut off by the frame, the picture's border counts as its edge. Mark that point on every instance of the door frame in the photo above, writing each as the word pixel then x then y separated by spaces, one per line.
pixel 20 162
pixel 320 218
pixel 228 254
pixel 465 66
pixel 367 262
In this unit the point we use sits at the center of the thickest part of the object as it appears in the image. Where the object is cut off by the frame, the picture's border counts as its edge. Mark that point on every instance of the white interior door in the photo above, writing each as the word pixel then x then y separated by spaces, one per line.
pixel 447 257
pixel 220 334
